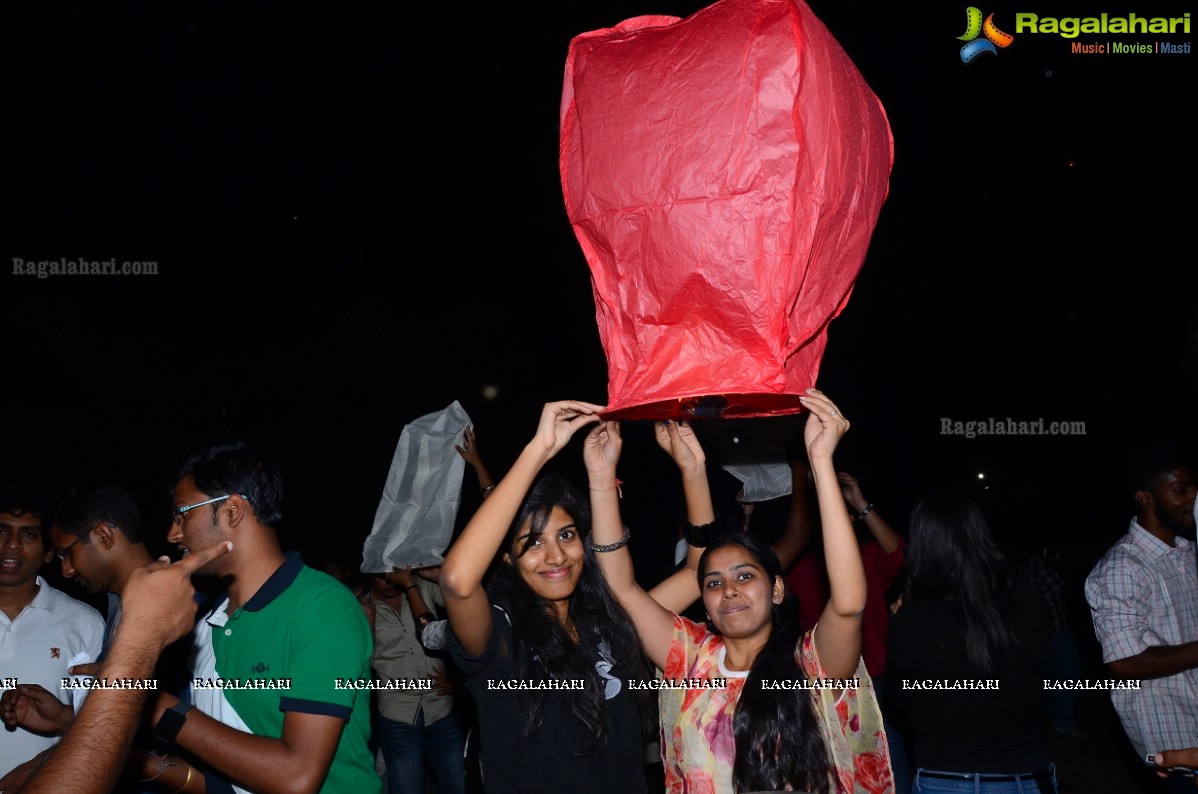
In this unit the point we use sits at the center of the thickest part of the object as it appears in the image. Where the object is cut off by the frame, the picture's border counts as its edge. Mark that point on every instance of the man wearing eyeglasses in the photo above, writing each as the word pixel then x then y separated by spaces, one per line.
pixel 41 630
pixel 284 636
pixel 97 539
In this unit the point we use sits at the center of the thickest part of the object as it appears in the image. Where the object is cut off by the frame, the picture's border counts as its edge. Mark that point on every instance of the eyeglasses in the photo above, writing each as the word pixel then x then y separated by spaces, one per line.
pixel 178 512
pixel 62 554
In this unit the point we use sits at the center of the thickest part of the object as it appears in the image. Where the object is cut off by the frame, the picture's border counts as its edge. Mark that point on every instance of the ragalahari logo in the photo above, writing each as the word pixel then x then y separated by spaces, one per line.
pixel 973 27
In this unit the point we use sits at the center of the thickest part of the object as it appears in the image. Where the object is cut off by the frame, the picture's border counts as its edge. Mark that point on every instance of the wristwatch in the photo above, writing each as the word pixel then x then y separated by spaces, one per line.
pixel 171 721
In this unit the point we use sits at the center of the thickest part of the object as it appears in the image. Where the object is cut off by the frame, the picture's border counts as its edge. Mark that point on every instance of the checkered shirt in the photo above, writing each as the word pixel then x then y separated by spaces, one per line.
pixel 1144 593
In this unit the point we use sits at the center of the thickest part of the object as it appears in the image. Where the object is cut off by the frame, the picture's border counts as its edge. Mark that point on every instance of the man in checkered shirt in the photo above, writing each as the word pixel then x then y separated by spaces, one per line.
pixel 1144 598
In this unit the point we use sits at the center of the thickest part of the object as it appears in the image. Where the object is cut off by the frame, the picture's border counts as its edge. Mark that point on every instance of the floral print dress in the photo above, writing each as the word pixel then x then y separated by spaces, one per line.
pixel 697 743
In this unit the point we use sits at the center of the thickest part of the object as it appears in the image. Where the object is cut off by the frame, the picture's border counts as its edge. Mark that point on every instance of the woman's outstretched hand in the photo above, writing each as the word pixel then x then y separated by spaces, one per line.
pixel 824 427
pixel 561 420
pixel 678 440
pixel 601 450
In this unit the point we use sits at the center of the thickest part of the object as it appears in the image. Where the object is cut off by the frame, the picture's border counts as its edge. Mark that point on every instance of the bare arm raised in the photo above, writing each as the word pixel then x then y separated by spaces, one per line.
pixel 677 439
pixel 470 453
pixel 838 634
pixel 888 540
pixel 654 623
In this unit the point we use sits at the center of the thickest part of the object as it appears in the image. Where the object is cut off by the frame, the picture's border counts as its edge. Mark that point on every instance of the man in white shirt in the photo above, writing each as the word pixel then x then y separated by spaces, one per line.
pixel 42 631
pixel 1144 599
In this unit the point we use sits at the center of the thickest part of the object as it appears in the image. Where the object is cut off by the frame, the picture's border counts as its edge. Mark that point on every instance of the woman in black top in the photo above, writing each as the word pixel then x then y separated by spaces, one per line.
pixel 545 645
pixel 966 658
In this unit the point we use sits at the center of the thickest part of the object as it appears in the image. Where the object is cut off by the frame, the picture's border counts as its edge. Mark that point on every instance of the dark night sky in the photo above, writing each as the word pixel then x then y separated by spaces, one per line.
pixel 357 218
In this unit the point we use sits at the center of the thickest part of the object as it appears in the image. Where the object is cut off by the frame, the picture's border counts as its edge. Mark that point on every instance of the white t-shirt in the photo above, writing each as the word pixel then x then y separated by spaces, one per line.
pixel 210 700
pixel 53 632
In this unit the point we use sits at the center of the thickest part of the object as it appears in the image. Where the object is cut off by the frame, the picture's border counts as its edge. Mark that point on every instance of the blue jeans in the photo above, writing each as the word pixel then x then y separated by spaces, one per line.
pixel 406 748
pixel 983 784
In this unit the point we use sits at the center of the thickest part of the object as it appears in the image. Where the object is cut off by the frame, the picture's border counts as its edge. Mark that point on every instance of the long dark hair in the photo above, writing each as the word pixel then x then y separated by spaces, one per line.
pixel 544 647
pixel 779 742
pixel 952 556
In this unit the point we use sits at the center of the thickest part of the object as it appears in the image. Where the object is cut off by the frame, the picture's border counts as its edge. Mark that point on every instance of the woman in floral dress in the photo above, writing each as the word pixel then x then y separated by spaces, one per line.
pixel 796 711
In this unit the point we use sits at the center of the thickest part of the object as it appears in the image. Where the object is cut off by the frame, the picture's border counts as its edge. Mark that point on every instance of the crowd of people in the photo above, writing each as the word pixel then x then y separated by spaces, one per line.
pixel 533 659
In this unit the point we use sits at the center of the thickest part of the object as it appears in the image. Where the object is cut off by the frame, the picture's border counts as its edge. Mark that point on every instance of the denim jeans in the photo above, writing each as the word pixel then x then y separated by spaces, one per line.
pixel 406 748
pixel 982 784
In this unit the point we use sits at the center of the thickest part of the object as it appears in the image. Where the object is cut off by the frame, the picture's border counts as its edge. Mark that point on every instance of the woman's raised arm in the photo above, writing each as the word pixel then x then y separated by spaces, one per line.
pixel 838 634
pixel 678 440
pixel 654 623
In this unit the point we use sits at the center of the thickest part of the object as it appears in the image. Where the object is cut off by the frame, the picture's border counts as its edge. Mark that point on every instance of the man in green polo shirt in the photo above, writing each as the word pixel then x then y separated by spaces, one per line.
pixel 269 715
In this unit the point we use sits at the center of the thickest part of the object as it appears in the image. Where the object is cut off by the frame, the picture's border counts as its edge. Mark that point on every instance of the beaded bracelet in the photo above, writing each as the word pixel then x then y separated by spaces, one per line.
pixel 619 544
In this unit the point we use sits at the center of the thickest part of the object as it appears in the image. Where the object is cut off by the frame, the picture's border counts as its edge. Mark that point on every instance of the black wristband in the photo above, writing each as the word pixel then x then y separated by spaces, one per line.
pixel 705 534
pixel 171 721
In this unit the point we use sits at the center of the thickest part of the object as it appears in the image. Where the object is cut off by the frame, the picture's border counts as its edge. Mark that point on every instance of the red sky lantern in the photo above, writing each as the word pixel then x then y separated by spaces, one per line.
pixel 723 174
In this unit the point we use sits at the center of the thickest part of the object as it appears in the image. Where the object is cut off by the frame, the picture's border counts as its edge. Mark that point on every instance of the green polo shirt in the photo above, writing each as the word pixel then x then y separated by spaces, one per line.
pixel 288 645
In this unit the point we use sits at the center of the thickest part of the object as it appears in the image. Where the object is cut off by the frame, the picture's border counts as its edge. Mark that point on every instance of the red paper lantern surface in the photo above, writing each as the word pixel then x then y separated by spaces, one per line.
pixel 723 174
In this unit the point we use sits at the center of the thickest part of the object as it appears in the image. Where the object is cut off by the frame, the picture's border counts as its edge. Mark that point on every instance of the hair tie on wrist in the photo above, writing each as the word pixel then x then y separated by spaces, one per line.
pixel 619 544
pixel 705 535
